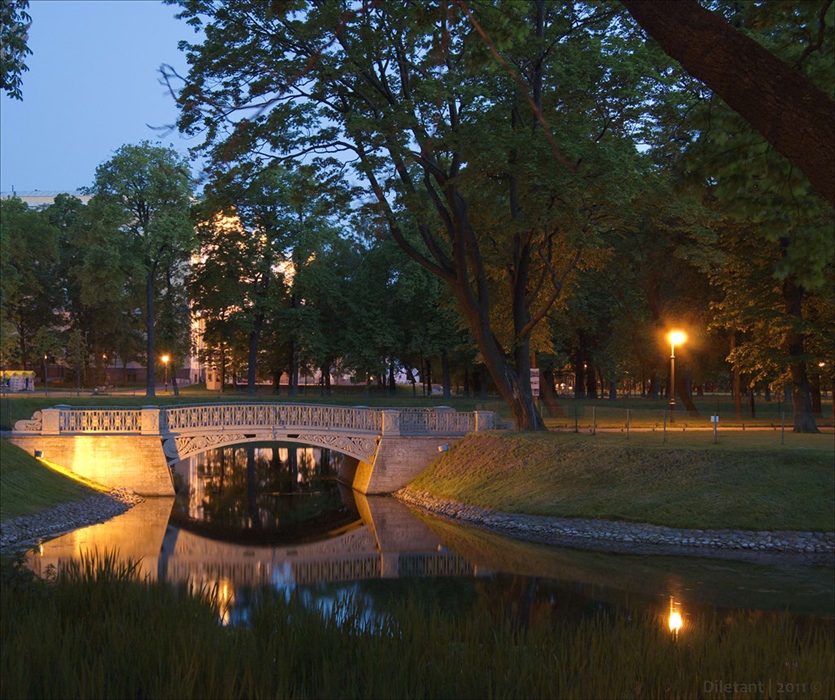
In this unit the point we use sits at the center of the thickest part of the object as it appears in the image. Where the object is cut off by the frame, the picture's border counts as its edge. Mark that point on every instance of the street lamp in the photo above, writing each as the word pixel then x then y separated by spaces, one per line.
pixel 46 375
pixel 165 359
pixel 675 338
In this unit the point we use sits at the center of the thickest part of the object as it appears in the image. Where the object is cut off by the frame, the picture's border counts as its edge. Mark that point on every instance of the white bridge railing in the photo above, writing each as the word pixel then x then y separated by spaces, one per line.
pixel 191 419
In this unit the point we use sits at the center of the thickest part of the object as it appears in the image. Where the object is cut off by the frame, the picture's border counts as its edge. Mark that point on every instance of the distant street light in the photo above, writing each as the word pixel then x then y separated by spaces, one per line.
pixel 46 375
pixel 676 338
pixel 165 360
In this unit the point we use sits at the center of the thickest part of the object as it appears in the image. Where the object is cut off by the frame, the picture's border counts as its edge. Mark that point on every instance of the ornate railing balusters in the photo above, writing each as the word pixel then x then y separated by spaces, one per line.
pixel 256 417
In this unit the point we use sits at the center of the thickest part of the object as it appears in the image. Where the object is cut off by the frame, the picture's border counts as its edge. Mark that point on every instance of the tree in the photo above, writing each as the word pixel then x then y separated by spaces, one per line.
pixel 442 140
pixel 258 230
pixel 151 186
pixel 28 284
pixel 14 34
pixel 778 100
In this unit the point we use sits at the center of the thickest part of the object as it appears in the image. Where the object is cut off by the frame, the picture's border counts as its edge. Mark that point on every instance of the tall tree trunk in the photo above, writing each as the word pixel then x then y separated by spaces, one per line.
pixel 804 418
pixel 222 368
pixel 591 381
pixel 684 395
pixel 736 386
pixel 150 379
pixel 293 375
pixel 654 392
pixel 466 381
pixel 445 374
pixel 277 381
pixel 579 375
pixel 252 359
pixel 815 388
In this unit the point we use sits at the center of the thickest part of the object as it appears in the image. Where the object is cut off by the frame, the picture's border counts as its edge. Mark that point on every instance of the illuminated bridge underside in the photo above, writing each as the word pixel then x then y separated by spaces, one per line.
pixel 177 448
pixel 389 447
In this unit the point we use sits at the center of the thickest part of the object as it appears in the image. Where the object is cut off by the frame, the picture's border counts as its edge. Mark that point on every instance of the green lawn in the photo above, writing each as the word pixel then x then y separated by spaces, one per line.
pixel 27 486
pixel 747 481
pixel 585 414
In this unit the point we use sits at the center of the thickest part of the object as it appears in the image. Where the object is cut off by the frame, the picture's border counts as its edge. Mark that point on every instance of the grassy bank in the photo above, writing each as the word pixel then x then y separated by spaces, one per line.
pixel 27 486
pixel 67 638
pixel 744 482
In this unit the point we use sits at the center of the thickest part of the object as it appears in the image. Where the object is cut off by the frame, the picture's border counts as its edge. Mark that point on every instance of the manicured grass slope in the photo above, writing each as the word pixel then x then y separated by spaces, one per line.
pixel 27 486
pixel 753 486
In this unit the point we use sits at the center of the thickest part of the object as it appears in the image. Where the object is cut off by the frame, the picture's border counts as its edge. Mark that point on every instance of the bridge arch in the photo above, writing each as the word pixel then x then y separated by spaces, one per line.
pixel 362 448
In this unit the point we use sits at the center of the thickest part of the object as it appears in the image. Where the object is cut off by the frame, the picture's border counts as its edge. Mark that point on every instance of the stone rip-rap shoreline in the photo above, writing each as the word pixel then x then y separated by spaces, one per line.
pixel 28 529
pixel 623 536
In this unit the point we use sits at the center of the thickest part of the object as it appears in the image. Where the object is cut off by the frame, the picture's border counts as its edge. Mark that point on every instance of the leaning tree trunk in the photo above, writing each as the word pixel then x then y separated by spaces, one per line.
pixel 785 106
pixel 549 396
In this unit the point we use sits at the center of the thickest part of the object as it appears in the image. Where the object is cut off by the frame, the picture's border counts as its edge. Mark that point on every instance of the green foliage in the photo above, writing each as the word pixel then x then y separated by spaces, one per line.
pixel 14 47
pixel 29 289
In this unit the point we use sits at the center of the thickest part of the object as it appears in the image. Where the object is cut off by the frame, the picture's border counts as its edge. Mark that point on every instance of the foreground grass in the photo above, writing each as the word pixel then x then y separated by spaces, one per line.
pixel 27 486
pixel 96 632
pixel 743 482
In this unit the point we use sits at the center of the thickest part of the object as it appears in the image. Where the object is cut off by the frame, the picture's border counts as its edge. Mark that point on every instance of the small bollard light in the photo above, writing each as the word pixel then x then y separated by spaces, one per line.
pixel 39 454
pixel 443 448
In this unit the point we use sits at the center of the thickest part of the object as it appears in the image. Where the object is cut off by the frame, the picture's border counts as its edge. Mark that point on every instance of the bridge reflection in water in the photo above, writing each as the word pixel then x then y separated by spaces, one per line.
pixel 231 526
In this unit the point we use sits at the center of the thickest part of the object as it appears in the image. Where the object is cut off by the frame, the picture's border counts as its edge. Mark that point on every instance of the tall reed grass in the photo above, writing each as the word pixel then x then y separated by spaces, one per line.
pixel 93 630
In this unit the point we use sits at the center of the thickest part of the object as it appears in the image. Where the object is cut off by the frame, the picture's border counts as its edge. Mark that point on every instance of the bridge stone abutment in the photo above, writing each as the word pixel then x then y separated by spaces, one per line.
pixel 134 447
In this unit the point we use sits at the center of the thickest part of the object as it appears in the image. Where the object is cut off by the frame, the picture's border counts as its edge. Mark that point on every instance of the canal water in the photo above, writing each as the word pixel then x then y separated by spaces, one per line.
pixel 275 515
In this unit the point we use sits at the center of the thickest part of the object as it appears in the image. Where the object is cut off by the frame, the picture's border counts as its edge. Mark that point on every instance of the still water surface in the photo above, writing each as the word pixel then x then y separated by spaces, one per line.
pixel 274 515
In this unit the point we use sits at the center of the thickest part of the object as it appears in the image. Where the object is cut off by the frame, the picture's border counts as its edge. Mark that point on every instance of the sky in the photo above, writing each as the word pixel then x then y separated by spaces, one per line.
pixel 92 86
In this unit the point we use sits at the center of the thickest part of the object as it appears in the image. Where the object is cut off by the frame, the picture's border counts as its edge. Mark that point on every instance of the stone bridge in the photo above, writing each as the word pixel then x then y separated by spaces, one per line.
pixel 134 447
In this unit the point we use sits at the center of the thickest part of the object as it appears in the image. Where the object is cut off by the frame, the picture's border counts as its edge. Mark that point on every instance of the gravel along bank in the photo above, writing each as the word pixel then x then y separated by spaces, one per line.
pixel 27 530
pixel 618 536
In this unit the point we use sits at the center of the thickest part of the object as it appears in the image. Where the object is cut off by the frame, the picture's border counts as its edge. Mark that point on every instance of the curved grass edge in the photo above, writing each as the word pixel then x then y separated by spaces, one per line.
pixel 693 485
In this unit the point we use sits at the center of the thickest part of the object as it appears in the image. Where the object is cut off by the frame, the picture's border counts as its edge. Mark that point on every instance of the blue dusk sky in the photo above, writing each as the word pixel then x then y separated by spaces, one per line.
pixel 92 86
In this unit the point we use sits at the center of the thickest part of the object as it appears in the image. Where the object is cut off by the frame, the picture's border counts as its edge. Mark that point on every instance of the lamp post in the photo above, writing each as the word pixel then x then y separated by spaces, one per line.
pixel 676 338
pixel 46 374
pixel 165 359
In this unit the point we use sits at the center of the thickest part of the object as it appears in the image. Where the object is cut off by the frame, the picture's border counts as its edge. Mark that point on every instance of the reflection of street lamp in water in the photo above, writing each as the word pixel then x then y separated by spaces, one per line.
pixel 675 338
pixel 675 620
pixel 165 359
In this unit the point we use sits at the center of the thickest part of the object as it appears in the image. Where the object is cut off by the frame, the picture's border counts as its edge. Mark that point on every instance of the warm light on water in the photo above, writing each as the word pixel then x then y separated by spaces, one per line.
pixel 675 620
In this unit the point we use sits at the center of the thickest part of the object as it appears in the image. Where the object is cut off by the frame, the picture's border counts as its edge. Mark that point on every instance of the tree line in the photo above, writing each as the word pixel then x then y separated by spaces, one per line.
pixel 485 186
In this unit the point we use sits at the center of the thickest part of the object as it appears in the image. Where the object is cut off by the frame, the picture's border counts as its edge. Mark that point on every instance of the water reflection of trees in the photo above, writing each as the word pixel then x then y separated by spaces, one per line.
pixel 258 488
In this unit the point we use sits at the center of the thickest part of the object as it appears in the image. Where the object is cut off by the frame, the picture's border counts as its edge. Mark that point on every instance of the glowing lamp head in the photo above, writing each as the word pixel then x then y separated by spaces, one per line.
pixel 677 337
pixel 165 359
